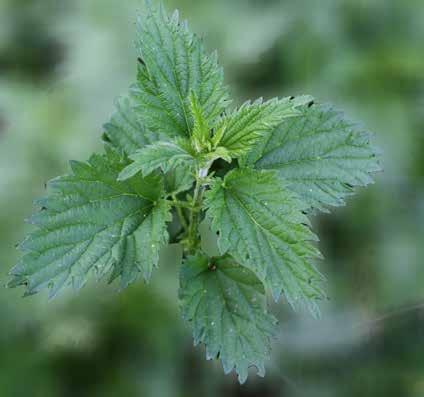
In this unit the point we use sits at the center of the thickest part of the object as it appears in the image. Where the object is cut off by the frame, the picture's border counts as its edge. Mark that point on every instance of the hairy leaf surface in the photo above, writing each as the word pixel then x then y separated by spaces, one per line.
pixel 201 130
pixel 179 179
pixel 261 224
pixel 241 129
pixel 226 306
pixel 321 154
pixel 173 65
pixel 125 130
pixel 163 155
pixel 92 222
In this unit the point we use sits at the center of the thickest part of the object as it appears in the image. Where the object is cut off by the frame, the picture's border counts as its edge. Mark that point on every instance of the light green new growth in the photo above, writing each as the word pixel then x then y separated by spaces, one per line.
pixel 176 151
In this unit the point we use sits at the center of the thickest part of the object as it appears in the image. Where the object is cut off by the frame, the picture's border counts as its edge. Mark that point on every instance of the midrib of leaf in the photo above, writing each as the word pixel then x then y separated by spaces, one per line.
pixel 164 101
pixel 312 160
pixel 301 135
pixel 270 135
pixel 237 331
pixel 271 246
pixel 179 87
pixel 90 240
pixel 115 187
pixel 233 313
pixel 177 83
pixel 236 123
pixel 246 210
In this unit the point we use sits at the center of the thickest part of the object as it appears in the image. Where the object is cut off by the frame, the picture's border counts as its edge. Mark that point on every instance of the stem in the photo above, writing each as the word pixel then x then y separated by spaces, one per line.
pixel 182 204
pixel 191 235
pixel 178 206
pixel 197 202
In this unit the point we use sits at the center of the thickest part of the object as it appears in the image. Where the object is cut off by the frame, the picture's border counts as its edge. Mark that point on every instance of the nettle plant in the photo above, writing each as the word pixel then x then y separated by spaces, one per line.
pixel 178 156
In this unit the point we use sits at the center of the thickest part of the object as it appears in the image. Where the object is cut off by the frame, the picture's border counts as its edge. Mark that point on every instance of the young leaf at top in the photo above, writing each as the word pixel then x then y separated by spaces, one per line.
pixel 321 155
pixel 91 222
pixel 226 306
pixel 241 129
pixel 200 134
pixel 174 65
pixel 260 223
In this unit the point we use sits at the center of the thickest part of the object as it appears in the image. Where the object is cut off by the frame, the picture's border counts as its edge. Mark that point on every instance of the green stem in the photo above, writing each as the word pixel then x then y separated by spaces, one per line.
pixel 178 206
pixel 191 235
pixel 194 212
pixel 182 204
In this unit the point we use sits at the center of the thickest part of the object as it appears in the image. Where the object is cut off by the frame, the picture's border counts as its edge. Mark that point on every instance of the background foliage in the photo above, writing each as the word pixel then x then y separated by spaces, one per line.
pixel 61 66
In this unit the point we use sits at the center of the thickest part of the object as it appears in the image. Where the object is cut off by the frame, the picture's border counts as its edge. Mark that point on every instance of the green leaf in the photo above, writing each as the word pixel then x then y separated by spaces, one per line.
pixel 164 155
pixel 226 306
pixel 261 224
pixel 201 130
pixel 89 223
pixel 125 130
pixel 179 179
pixel 173 65
pixel 208 239
pixel 239 131
pixel 219 153
pixel 140 251
pixel 321 155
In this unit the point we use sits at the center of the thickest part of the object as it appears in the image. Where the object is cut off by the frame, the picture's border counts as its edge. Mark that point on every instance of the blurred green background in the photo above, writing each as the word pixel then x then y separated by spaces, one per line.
pixel 61 65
